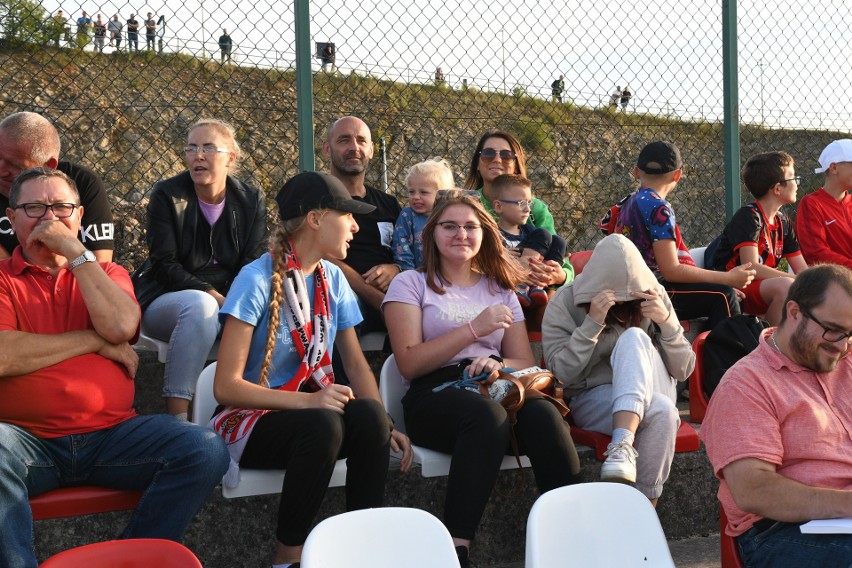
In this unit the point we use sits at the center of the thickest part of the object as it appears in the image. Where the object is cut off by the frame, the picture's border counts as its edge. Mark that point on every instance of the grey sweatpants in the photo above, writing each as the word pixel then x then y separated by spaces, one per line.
pixel 640 384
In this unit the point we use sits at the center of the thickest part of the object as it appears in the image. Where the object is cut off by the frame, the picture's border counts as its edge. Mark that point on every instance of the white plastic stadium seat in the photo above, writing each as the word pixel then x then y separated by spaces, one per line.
pixel 697 255
pixel 252 481
pixel 595 525
pixel 380 538
pixel 392 386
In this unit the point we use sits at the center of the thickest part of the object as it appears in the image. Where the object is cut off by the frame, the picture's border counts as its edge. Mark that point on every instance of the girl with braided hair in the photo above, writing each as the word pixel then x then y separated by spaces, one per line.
pixel 282 408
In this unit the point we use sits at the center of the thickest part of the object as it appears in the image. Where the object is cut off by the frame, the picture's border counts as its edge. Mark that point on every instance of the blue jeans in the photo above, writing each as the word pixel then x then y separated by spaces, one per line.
pixel 189 321
pixel 783 545
pixel 177 464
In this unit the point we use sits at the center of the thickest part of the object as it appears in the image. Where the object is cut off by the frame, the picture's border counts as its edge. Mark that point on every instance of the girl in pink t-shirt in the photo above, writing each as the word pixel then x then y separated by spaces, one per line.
pixel 459 311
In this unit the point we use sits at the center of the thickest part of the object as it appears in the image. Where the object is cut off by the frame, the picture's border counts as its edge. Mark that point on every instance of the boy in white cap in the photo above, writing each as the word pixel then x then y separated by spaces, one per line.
pixel 824 218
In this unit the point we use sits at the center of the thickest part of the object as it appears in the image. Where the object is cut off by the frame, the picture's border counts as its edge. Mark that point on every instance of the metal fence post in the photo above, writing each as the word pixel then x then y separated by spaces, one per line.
pixel 732 108
pixel 304 86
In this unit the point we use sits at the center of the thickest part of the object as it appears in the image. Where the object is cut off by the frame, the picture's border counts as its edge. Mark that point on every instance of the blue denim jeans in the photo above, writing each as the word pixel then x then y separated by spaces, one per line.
pixel 189 321
pixel 783 545
pixel 177 464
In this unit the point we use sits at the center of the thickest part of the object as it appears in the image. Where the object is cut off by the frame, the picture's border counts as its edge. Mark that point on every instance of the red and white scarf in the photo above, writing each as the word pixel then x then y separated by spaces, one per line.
pixel 310 333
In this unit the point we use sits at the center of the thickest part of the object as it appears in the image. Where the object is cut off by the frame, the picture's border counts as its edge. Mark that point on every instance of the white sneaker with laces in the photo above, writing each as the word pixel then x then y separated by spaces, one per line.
pixel 620 464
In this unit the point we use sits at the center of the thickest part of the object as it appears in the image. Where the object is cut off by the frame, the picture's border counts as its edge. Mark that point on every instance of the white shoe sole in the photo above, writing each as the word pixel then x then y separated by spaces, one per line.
pixel 618 475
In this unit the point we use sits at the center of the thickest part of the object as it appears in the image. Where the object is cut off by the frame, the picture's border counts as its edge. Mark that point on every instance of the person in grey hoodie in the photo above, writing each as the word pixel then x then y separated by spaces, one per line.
pixel 614 339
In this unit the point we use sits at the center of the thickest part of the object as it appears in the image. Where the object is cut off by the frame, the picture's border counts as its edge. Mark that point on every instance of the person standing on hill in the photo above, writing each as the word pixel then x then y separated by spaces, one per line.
pixel 133 33
pixel 626 95
pixel 114 27
pixel 558 87
pixel 614 97
pixel 100 34
pixel 225 45
pixel 150 32
pixel 824 218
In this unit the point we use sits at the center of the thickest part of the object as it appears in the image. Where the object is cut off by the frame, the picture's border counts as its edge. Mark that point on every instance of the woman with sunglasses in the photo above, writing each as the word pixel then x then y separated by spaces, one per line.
pixel 497 153
pixel 203 227
pixel 458 313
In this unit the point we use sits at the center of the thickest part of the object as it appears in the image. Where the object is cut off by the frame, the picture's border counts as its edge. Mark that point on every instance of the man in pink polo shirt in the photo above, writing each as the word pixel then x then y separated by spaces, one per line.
pixel 778 429
pixel 824 217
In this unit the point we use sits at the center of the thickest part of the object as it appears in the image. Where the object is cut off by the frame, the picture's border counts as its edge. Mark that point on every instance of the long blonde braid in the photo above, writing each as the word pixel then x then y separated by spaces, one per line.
pixel 279 248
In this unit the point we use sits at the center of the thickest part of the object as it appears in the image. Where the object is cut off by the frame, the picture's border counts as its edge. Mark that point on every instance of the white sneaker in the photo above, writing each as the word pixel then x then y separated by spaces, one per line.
pixel 620 464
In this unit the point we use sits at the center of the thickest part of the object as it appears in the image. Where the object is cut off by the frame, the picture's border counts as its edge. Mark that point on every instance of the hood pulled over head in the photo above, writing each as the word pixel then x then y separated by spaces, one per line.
pixel 616 264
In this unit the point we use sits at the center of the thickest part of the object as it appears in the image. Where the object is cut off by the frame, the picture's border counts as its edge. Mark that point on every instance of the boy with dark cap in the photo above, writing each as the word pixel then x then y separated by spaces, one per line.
pixel 647 219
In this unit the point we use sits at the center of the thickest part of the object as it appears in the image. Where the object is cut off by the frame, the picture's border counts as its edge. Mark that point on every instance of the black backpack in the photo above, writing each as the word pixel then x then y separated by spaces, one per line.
pixel 728 342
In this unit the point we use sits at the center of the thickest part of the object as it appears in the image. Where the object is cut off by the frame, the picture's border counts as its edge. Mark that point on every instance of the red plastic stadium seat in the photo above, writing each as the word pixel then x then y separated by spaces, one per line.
pixel 686 441
pixel 730 552
pixel 697 400
pixel 579 260
pixel 86 500
pixel 130 553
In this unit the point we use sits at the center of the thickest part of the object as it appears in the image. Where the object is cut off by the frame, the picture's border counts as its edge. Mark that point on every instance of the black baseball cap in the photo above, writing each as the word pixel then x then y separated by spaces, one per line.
pixel 308 191
pixel 659 158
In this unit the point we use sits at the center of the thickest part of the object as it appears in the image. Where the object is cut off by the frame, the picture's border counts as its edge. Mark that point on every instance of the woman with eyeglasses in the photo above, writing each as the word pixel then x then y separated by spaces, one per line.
pixel 203 226
pixel 459 313
pixel 497 153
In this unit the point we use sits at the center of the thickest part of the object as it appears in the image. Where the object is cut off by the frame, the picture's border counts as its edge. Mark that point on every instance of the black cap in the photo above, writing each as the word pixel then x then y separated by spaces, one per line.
pixel 659 158
pixel 308 191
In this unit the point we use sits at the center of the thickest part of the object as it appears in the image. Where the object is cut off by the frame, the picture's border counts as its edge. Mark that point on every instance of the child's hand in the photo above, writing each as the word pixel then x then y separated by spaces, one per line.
pixel 600 305
pixel 741 276
pixel 653 306
pixel 333 397
pixel 491 319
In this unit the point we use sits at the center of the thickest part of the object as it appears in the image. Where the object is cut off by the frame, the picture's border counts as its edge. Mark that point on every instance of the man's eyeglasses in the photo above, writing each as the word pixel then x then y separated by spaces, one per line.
pixel 39 210
pixel 797 179
pixel 489 154
pixel 830 335
pixel 451 229
pixel 206 149
pixel 521 203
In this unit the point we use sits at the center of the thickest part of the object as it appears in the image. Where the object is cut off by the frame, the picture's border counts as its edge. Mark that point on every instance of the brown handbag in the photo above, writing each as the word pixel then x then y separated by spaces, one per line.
pixel 513 389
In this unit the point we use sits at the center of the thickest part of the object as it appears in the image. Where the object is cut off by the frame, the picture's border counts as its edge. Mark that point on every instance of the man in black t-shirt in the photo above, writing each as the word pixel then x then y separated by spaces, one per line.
pixel 150 31
pixel 368 266
pixel 28 140
pixel 133 33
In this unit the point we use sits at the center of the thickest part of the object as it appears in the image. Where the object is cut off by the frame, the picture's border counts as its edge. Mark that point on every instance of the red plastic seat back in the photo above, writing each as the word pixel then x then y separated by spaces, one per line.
pixel 697 400
pixel 86 500
pixel 131 553
pixel 686 439
pixel 730 551
pixel 579 260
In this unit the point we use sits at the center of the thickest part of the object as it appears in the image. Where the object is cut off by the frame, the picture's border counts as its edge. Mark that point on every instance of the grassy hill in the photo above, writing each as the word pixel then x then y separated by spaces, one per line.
pixel 126 117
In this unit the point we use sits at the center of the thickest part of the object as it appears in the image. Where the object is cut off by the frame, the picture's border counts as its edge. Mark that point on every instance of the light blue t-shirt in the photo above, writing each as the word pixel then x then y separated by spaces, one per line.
pixel 248 301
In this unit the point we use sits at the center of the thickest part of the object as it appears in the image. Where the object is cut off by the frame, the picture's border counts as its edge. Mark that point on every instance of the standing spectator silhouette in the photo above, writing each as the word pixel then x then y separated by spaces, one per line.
pixel 114 27
pixel 626 95
pixel 133 33
pixel 328 56
pixel 558 87
pixel 57 27
pixel 84 28
pixel 614 97
pixel 439 76
pixel 150 31
pixel 100 34
pixel 225 45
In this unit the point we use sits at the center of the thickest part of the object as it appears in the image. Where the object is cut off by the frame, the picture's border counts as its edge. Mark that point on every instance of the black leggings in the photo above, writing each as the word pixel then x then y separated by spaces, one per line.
pixel 308 443
pixel 476 431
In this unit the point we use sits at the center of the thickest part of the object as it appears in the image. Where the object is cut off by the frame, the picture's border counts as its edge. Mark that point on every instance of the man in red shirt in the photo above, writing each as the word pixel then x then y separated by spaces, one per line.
pixel 66 381
pixel 777 429
pixel 824 218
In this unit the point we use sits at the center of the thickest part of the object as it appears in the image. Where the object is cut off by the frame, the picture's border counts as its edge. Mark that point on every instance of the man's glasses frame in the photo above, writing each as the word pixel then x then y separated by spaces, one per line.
pixel 830 335
pixel 39 210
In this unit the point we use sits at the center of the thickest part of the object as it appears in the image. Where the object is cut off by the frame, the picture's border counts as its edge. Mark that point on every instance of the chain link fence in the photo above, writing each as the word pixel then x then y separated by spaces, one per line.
pixel 430 78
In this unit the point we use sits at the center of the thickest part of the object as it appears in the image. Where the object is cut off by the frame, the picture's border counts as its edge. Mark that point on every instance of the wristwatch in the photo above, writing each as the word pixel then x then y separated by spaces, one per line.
pixel 87 256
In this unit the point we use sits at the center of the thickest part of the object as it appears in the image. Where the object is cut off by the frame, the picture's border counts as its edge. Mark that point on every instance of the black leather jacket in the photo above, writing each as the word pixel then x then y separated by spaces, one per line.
pixel 181 244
